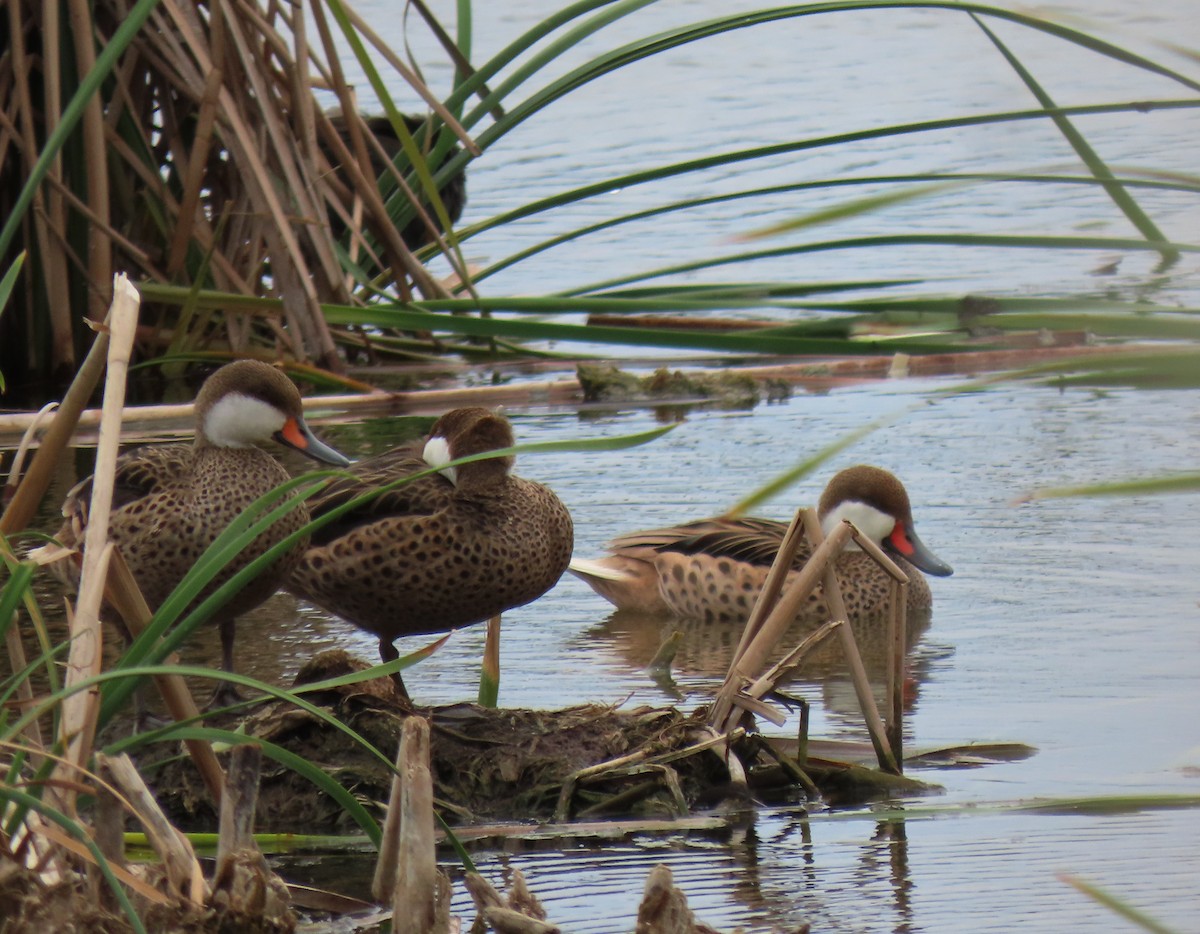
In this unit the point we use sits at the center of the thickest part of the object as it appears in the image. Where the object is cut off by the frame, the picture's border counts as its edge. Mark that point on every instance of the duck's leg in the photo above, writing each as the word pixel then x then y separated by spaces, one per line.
pixel 389 653
pixel 225 694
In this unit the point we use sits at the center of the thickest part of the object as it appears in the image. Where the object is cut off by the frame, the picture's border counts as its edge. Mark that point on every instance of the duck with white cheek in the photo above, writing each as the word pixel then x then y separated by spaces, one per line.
pixel 170 502
pixel 448 549
pixel 714 569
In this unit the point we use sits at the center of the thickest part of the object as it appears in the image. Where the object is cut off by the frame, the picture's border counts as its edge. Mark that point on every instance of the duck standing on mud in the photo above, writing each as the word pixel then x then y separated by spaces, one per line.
pixel 444 550
pixel 170 502
pixel 714 569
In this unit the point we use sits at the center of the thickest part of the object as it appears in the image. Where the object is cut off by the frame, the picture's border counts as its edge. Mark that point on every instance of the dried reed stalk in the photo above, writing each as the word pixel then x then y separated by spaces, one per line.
pixel 858 673
pixel 80 709
pixel 421 895
pixel 41 469
pixel 783 669
pixel 183 870
pixel 100 256
pixel 744 668
pixel 773 585
pixel 897 653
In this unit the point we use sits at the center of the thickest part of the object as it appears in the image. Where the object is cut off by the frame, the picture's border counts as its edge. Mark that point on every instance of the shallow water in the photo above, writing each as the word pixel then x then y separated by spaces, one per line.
pixel 813 77
pixel 1069 625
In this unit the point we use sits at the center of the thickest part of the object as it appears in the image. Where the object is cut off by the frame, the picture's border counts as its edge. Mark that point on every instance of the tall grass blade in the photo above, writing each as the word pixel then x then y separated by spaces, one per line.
pixel 1116 905
pixel 1178 483
pixel 786 479
pixel 842 211
pixel 1090 157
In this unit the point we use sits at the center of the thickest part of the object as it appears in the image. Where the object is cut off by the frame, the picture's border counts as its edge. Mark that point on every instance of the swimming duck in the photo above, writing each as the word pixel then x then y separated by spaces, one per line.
pixel 445 550
pixel 171 501
pixel 713 569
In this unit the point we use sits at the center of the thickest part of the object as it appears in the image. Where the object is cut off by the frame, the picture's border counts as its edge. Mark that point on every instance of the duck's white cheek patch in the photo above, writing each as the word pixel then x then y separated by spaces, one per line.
pixel 437 454
pixel 237 421
pixel 870 521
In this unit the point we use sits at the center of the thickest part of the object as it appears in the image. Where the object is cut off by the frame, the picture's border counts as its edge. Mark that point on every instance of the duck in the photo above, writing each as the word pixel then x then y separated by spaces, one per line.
pixel 454 546
pixel 170 502
pixel 713 569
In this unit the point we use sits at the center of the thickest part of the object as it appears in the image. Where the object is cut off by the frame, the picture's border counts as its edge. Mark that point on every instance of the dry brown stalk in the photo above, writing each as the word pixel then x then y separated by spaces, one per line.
pixel 783 669
pixel 68 844
pixel 421 897
pixel 897 653
pixel 744 667
pixel 664 908
pixel 100 259
pixel 776 577
pixel 37 480
pixel 519 913
pixel 243 883
pixel 179 861
pixel 81 708
pixel 858 673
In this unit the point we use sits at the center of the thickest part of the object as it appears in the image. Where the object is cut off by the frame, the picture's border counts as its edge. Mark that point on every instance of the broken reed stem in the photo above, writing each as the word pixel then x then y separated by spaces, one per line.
pixel 744 669
pixel 80 709
pixel 384 882
pixel 858 673
pixel 41 470
pixel 784 668
pixel 421 897
pixel 124 595
pixel 35 483
pixel 179 861
pixel 238 802
pixel 897 653
pixel 793 768
pixel 772 586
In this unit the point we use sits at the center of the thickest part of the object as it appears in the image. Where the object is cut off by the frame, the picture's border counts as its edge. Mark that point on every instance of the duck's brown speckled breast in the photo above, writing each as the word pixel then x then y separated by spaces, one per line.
pixel 163 533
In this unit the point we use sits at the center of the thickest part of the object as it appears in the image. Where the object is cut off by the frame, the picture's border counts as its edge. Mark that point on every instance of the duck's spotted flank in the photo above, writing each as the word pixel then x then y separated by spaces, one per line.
pixel 714 569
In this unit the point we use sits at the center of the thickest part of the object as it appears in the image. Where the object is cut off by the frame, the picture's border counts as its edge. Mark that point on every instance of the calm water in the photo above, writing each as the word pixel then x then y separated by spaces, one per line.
pixel 815 77
pixel 1070 625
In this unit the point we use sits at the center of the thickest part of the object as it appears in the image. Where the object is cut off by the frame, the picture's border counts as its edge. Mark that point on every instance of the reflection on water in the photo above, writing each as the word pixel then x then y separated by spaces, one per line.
pixel 706 651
